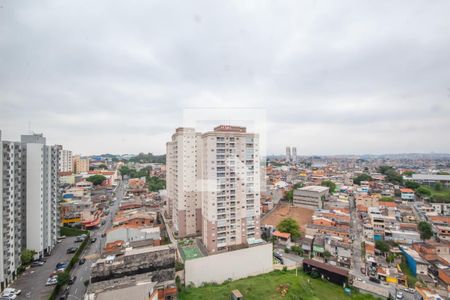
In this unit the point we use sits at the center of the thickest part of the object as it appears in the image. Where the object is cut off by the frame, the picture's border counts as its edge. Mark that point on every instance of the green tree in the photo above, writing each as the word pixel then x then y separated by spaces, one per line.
pixel 290 193
pixel 438 186
pixel 382 246
pixel 96 179
pixel 390 258
pixel 363 177
pixel 155 183
pixel 27 256
pixel 423 191
pixel 329 184
pixel 289 225
pixel 326 254
pixel 408 173
pixel 425 230
pixel 443 173
pixel 412 184
pixel 391 175
pixel 63 278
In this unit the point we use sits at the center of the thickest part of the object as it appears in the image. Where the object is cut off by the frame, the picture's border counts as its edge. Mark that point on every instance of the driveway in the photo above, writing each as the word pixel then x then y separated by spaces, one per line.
pixel 32 281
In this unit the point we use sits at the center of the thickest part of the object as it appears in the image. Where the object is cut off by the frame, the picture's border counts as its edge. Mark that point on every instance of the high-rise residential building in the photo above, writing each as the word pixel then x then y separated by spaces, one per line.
pixel 12 199
pixel 80 165
pixel 183 165
pixel 230 183
pixel 213 186
pixel 65 161
pixel 288 153
pixel 294 154
pixel 29 197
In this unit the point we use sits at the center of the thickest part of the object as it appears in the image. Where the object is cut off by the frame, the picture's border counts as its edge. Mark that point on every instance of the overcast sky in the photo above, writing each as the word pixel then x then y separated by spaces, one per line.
pixel 332 77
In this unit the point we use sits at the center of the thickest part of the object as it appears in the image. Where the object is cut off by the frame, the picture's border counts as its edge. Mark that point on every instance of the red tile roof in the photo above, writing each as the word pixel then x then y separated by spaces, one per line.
pixel 284 235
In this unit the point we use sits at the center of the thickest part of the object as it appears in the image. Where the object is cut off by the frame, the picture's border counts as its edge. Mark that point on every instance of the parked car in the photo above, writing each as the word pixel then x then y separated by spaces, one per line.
pixel 93 240
pixel 51 281
pixel 72 250
pixel 374 279
pixel 37 263
pixel 11 293
pixel 399 295
pixel 61 265
pixel 72 280
pixel 82 261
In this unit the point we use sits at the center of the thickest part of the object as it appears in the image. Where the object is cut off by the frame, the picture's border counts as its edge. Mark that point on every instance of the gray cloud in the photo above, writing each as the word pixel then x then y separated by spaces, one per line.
pixel 115 76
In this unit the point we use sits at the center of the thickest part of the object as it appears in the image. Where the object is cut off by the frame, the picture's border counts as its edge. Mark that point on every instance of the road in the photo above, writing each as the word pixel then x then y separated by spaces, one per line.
pixel 358 238
pixel 32 281
pixel 357 232
pixel 92 252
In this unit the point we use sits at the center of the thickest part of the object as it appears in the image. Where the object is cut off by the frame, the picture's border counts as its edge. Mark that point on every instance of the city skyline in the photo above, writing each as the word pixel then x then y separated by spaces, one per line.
pixel 334 78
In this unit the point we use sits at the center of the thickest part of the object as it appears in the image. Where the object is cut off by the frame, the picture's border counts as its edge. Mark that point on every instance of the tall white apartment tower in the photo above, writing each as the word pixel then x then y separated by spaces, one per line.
pixel 294 154
pixel 65 161
pixel 230 188
pixel 42 166
pixel 12 201
pixel 28 198
pixel 288 153
pixel 183 159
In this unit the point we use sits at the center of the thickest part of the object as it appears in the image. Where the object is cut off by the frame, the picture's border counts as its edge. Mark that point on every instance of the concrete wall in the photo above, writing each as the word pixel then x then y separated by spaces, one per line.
pixel 235 264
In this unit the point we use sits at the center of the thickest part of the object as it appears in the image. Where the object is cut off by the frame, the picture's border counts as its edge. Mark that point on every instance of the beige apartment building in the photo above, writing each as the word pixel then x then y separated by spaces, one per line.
pixel 80 165
pixel 183 164
pixel 214 178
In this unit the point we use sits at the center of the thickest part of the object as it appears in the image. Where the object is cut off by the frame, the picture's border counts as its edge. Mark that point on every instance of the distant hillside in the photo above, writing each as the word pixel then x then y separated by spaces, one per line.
pixel 148 158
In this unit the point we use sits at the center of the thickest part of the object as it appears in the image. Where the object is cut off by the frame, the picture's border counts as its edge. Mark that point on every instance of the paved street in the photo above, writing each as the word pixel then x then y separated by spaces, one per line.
pixel 92 252
pixel 32 281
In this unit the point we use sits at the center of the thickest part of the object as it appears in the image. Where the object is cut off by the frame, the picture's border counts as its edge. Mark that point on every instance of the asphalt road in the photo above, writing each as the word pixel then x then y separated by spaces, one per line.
pixel 92 252
pixel 32 281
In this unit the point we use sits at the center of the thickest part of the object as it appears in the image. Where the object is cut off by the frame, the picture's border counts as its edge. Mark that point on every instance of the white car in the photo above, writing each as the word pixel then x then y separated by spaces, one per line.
pixel 399 295
pixel 12 290
pixel 51 281
pixel 9 294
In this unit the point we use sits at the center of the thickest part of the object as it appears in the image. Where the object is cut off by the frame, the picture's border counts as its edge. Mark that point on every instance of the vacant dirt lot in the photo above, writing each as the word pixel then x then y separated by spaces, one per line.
pixel 302 215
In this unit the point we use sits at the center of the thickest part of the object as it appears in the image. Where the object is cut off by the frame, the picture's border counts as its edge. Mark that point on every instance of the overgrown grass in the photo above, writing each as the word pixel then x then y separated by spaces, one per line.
pixel 69 231
pixel 269 286
pixel 409 275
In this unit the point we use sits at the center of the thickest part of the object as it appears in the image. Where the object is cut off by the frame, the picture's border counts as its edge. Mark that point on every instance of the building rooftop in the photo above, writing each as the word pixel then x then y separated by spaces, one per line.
pixel 314 188
pixel 430 177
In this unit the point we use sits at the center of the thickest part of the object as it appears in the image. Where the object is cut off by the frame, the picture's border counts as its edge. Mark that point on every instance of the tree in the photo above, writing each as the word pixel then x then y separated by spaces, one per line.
pixel 391 175
pixel 63 278
pixel 27 256
pixel 363 177
pixel 155 184
pixel 438 186
pixel 382 246
pixel 408 173
pixel 412 184
pixel 443 173
pixel 329 184
pixel 96 179
pixel 297 250
pixel 290 194
pixel 425 230
pixel 289 225
pixel 390 258
pixel 423 191
pixel 326 254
